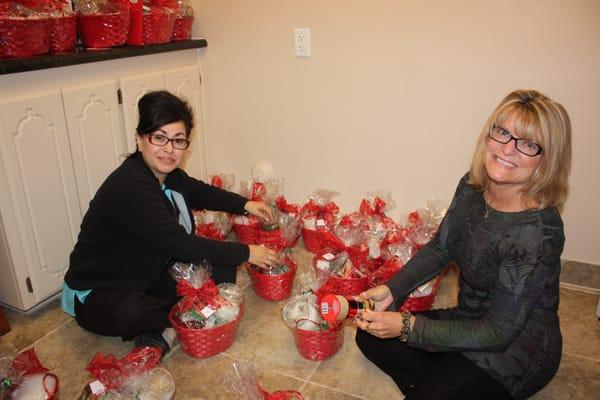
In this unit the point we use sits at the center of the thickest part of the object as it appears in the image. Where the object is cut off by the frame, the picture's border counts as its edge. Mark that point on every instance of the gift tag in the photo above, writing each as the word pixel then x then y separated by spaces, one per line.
pixel 328 256
pixel 323 265
pixel 207 312
pixel 320 222
pixel 97 387
pixel 309 223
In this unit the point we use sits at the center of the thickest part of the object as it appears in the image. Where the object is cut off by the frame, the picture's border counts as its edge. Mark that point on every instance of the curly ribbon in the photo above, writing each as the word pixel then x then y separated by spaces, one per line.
pixel 328 212
pixel 217 181
pixel 280 395
pixel 377 208
pixel 259 191
pixel 285 207
pixel 112 372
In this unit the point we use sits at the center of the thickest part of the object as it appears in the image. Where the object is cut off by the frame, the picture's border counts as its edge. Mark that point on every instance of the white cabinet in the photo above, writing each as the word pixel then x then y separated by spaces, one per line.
pixel 55 151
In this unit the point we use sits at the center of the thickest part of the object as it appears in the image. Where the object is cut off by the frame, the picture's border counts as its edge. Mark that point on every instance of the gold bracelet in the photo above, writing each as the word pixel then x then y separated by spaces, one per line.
pixel 406 316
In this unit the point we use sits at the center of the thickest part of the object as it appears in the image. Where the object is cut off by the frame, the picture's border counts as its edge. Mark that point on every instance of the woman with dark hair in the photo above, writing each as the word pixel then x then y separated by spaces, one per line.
pixel 140 222
pixel 504 231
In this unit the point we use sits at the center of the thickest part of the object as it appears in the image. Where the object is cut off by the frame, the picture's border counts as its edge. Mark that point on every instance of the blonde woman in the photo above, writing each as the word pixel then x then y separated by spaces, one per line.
pixel 504 231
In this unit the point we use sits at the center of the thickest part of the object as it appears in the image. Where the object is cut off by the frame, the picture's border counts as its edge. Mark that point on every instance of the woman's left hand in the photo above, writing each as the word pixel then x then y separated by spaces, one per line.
pixel 259 209
pixel 383 324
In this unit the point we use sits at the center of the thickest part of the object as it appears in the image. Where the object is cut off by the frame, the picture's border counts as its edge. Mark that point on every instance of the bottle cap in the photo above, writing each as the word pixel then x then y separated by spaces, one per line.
pixel 334 307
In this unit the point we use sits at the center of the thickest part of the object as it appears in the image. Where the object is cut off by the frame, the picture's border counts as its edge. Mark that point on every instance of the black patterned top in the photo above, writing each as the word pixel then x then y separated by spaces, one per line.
pixel 506 320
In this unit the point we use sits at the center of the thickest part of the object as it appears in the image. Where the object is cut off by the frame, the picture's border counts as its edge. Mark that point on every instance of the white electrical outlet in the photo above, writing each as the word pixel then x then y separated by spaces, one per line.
pixel 302 42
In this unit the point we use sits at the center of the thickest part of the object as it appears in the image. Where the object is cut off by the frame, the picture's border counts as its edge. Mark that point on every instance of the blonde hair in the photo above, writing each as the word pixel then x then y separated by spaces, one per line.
pixel 539 118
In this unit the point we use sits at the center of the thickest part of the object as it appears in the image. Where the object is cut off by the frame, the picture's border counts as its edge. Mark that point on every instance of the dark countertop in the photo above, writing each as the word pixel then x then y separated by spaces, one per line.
pixel 13 65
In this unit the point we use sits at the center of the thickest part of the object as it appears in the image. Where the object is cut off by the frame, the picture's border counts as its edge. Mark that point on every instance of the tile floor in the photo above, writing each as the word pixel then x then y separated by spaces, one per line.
pixel 264 338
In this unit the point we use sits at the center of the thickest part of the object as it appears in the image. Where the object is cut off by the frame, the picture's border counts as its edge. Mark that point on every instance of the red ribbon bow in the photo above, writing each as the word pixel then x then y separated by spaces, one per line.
pixel 217 181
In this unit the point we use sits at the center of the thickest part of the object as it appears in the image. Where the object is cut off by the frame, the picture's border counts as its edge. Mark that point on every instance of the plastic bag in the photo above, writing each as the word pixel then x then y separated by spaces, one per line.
pixel 24 378
pixel 243 385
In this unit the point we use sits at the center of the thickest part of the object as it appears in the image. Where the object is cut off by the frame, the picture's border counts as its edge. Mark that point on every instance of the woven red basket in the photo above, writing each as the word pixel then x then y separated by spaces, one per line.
pixel 321 344
pixel 273 287
pixel 158 26
pixel 341 286
pixel 24 37
pixel 100 31
pixel 182 29
pixel 63 33
pixel 312 240
pixel 415 304
pixel 246 233
pixel 202 343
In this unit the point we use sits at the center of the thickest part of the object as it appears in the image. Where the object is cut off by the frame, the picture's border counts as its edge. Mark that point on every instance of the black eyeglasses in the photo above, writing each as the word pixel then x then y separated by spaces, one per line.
pixel 161 140
pixel 523 146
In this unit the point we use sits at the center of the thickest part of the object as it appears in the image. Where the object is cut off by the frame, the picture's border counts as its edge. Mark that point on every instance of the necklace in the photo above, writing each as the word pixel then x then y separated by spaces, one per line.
pixel 487 209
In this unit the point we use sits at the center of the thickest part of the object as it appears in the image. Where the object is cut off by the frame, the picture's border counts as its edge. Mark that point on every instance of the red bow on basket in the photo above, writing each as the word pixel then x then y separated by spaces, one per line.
pixel 327 212
pixel 112 372
pixel 281 395
pixel 208 293
pixel 377 208
pixel 285 207
pixel 217 181
pixel 259 191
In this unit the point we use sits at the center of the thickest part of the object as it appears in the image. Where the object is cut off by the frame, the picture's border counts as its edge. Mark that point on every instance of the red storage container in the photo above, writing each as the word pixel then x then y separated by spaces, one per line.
pixel 24 37
pixel 158 25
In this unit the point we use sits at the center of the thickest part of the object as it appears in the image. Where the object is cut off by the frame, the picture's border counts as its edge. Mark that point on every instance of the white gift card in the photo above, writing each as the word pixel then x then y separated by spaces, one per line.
pixel 328 256
pixel 97 387
pixel 320 222
pixel 207 312
pixel 323 265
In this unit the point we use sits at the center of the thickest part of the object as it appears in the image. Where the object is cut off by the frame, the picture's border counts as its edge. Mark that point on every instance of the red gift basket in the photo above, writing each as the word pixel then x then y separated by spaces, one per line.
pixel 182 29
pixel 207 342
pixel 337 285
pixel 246 229
pixel 100 31
pixel 158 25
pixel 320 344
pixel 422 303
pixel 273 287
pixel 24 37
pixel 63 33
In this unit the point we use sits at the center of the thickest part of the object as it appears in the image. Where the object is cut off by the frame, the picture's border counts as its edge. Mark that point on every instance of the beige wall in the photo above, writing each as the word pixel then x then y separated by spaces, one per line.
pixel 395 92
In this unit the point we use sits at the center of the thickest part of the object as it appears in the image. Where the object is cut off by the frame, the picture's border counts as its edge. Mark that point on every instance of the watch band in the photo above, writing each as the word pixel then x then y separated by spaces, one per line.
pixel 406 316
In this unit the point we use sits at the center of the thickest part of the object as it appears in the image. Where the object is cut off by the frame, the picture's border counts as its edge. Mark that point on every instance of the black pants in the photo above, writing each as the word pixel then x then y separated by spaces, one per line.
pixel 128 313
pixel 421 375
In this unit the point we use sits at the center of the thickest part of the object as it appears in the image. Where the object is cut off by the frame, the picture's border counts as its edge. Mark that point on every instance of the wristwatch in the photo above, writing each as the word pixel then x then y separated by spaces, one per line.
pixel 406 316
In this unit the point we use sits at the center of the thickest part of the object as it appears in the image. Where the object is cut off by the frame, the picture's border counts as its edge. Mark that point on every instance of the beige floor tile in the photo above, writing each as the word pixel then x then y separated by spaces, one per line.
pixel 579 325
pixel 578 378
pixel 28 328
pixel 317 392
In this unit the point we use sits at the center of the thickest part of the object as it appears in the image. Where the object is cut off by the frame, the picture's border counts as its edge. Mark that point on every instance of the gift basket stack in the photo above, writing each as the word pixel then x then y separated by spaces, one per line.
pixel 318 217
pixel 159 20
pixel 136 376
pixel 206 319
pixel 274 283
pixel 315 338
pixel 215 225
pixel 24 378
pixel 34 27
pixel 243 385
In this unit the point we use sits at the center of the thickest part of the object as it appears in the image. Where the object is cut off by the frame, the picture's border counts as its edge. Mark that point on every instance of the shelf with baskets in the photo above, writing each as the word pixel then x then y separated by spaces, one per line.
pixel 9 66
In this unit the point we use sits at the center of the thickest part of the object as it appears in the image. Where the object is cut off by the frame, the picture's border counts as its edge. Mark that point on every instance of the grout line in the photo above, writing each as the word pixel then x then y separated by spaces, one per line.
pixel 578 288
pixel 580 356
pixel 339 391
pixel 68 321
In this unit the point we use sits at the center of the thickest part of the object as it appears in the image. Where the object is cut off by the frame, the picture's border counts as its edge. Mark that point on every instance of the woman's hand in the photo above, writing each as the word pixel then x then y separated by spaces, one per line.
pixel 261 256
pixel 385 325
pixel 380 295
pixel 259 209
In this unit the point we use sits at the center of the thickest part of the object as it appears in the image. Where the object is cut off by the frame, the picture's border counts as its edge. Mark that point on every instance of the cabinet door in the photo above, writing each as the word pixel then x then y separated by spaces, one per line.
pixel 39 205
pixel 133 88
pixel 185 83
pixel 95 134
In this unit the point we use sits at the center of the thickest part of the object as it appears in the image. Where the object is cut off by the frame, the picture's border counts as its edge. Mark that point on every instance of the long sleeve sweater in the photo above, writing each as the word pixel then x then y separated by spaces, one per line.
pixel 506 321
pixel 130 233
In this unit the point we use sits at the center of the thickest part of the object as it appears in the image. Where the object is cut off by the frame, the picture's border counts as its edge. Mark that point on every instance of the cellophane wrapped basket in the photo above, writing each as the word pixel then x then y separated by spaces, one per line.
pixel 346 286
pixel 24 377
pixel 246 228
pixel 158 24
pixel 319 344
pixel 207 342
pixel 103 24
pixel 422 299
pixel 63 33
pixel 24 37
pixel 182 29
pixel 318 216
pixel 273 287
